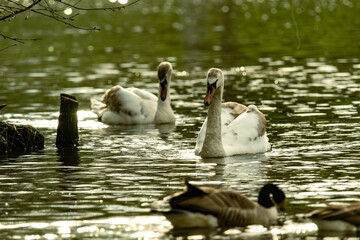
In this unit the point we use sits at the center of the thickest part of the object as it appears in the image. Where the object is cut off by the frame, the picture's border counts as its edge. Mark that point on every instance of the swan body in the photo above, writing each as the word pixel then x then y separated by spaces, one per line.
pixel 210 207
pixel 129 106
pixel 337 217
pixel 230 128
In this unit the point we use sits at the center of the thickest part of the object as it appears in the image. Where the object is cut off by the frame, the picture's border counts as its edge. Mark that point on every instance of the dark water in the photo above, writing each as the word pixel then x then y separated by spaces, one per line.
pixel 298 61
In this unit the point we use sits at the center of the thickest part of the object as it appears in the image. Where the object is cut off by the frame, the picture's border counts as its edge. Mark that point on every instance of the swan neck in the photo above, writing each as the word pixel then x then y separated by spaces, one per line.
pixel 164 112
pixel 213 146
pixel 167 100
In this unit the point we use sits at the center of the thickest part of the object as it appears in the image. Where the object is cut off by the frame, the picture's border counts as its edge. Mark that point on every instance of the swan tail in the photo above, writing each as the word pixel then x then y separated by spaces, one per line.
pixel 98 107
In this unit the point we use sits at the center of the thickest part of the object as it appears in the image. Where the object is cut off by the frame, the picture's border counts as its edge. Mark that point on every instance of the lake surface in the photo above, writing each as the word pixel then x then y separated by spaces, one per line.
pixel 298 61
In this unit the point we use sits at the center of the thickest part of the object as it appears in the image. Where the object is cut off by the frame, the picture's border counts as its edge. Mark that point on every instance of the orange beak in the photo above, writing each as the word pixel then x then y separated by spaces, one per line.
pixel 209 95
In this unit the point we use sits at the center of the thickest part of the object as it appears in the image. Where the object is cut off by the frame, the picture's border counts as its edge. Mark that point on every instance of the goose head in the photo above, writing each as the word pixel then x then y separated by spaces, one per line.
pixel 270 195
pixel 164 74
pixel 215 81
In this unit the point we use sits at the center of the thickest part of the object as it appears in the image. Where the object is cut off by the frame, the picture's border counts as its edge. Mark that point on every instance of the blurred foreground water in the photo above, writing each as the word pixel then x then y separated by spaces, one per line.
pixel 298 61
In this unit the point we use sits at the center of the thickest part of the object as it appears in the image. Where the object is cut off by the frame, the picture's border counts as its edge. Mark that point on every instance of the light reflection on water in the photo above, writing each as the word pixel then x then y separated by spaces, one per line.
pixel 145 227
pixel 118 171
pixel 104 188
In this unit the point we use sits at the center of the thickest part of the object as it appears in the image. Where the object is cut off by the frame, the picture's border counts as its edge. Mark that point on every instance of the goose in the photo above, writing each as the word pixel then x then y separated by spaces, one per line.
pixel 230 128
pixel 334 217
pixel 130 106
pixel 210 207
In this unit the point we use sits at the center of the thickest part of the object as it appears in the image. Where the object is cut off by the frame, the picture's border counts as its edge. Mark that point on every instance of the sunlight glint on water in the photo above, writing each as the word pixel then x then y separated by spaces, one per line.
pixel 104 188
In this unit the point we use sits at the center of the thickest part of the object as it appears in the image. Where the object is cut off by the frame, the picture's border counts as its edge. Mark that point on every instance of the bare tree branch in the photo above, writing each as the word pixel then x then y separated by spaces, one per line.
pixel 96 9
pixel 20 11
pixel 2 49
pixel 63 20
pixel 19 40
pixel 12 8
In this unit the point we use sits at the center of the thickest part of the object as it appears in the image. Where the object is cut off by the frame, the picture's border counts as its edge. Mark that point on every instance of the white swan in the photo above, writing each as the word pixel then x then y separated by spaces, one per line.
pixel 129 106
pixel 210 207
pixel 230 128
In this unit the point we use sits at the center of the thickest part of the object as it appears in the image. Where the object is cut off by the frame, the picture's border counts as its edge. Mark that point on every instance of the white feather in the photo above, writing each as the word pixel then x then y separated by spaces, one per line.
pixel 134 107
pixel 131 106
pixel 239 135
pixel 241 129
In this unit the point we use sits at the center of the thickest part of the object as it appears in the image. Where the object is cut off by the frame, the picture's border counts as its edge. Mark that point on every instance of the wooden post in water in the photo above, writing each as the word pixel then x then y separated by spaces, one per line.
pixel 67 131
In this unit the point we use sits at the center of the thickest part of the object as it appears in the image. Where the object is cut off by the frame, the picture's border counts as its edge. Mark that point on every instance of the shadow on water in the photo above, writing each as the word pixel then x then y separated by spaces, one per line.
pixel 165 130
pixel 242 170
pixel 147 129
pixel 69 155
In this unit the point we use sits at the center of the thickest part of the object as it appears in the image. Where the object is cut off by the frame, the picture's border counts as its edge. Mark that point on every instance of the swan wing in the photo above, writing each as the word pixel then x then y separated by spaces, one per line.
pixel 250 124
pixel 128 106
pixel 243 130
pixel 143 94
pixel 98 107
pixel 200 139
pixel 246 134
pixel 229 112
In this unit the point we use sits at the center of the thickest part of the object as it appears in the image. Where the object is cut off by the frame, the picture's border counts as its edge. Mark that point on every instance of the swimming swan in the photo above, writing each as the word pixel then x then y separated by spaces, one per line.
pixel 132 105
pixel 210 207
pixel 230 128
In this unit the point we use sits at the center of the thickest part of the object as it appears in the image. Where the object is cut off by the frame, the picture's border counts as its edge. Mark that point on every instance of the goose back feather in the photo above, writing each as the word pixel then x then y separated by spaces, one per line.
pixel 337 217
pixel 217 208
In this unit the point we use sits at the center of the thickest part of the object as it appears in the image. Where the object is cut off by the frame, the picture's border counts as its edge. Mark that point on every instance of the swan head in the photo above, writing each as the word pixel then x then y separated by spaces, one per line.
pixel 215 80
pixel 164 74
pixel 270 195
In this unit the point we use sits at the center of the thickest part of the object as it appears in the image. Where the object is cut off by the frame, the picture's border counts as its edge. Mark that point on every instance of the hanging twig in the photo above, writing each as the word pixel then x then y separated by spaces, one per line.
pixel 64 21
pixel 19 40
pixel 96 9
pixel 9 9
pixel 21 10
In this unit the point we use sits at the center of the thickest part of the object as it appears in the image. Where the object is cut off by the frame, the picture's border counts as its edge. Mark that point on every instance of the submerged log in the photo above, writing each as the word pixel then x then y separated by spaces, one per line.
pixel 67 131
pixel 18 139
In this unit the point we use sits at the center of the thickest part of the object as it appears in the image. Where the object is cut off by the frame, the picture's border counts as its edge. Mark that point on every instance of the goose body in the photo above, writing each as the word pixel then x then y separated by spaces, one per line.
pixel 230 128
pixel 337 217
pixel 129 106
pixel 210 207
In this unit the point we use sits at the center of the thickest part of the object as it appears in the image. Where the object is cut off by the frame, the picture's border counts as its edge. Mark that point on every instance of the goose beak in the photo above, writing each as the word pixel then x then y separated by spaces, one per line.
pixel 281 205
pixel 163 91
pixel 209 95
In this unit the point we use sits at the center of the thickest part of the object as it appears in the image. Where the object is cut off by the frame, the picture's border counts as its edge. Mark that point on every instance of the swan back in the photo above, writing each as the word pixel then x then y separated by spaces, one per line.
pixel 238 129
pixel 136 106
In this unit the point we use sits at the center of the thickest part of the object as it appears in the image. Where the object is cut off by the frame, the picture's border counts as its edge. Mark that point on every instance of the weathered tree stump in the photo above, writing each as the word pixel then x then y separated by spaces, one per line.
pixel 67 131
